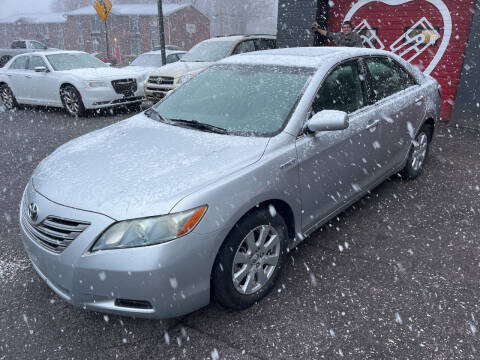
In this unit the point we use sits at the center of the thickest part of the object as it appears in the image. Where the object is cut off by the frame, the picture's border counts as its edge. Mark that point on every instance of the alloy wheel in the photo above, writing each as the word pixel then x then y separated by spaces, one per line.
pixel 71 101
pixel 256 259
pixel 7 97
pixel 419 151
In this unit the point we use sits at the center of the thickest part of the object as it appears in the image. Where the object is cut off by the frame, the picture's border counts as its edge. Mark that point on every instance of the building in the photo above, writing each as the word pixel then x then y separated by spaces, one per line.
pixel 133 28
pixel 438 36
pixel 46 28
pixel 237 17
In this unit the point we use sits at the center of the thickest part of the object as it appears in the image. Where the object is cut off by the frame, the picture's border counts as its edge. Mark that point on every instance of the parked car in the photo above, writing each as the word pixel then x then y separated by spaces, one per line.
pixel 145 63
pixel 74 80
pixel 205 192
pixel 20 47
pixel 201 56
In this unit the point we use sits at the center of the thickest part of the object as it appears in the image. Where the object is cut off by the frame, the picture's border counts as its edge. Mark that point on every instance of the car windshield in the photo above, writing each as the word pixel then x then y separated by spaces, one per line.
pixel 70 61
pixel 242 99
pixel 153 60
pixel 208 51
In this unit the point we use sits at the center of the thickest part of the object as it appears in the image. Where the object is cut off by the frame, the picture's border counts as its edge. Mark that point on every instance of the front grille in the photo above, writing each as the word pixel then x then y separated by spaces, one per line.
pixel 55 233
pixel 160 80
pixel 125 86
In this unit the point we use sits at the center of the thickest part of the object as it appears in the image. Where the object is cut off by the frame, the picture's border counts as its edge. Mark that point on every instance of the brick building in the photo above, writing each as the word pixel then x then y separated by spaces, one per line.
pixel 133 29
pixel 438 36
pixel 46 28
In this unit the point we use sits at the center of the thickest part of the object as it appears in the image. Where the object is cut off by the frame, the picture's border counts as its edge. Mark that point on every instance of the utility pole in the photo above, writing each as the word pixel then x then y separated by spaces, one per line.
pixel 106 40
pixel 161 33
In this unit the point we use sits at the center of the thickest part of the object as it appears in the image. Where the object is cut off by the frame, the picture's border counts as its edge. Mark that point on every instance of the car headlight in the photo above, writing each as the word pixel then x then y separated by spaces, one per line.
pixel 149 231
pixel 183 79
pixel 96 84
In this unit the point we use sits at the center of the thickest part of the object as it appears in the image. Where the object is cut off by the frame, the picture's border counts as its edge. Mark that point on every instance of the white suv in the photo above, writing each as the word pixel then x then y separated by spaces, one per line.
pixel 199 57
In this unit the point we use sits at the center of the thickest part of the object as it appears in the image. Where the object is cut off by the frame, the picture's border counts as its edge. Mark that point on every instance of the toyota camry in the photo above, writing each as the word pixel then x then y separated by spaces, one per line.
pixel 203 194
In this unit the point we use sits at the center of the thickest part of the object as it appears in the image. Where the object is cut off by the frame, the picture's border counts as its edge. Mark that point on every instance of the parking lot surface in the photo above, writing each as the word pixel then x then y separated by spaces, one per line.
pixel 393 277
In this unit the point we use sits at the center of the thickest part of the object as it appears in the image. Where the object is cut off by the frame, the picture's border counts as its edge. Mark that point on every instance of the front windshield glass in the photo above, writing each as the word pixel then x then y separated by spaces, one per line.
pixel 243 99
pixel 210 51
pixel 151 60
pixel 70 61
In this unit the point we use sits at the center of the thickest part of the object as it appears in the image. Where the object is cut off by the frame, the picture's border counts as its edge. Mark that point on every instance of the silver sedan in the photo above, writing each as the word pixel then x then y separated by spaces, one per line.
pixel 205 192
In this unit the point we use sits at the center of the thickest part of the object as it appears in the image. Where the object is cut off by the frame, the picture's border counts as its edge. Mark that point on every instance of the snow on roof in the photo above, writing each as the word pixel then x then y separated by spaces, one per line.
pixel 303 57
pixel 133 9
pixel 35 18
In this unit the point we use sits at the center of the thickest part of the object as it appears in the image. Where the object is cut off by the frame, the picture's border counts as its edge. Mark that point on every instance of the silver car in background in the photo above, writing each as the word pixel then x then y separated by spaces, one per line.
pixel 208 190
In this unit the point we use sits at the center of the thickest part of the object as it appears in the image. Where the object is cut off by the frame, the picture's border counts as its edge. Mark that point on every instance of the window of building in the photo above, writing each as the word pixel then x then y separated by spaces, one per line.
pixel 96 24
pixel 135 45
pixel 80 40
pixel 45 31
pixel 134 24
pixel 154 35
pixel 96 43
pixel 60 43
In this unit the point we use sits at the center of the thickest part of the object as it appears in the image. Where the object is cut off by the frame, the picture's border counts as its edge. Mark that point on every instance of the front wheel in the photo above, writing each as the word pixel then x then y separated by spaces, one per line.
pixel 418 154
pixel 250 260
pixel 72 101
pixel 8 98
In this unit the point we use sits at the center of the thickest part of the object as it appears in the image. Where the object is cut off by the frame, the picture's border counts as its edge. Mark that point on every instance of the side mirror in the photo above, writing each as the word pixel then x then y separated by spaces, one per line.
pixel 328 120
pixel 41 69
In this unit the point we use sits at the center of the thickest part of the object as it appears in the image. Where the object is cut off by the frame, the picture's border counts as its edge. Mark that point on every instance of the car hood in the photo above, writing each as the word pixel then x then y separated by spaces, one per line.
pixel 101 73
pixel 180 68
pixel 140 167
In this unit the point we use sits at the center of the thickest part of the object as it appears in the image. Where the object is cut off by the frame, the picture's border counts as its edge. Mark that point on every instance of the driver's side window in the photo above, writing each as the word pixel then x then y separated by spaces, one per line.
pixel 342 90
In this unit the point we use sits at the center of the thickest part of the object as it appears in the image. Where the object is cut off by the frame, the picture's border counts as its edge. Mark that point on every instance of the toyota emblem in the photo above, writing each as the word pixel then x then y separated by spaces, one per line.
pixel 33 211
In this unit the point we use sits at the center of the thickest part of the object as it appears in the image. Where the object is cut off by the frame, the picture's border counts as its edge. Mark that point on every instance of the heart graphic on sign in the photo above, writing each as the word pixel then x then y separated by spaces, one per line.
pixel 409 43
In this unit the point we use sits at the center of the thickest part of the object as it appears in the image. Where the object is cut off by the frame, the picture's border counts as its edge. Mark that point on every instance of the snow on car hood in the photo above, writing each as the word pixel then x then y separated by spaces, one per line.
pixel 180 68
pixel 140 167
pixel 101 73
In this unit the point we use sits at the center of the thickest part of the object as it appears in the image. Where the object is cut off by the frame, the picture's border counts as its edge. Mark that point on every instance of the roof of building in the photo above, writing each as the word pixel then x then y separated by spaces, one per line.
pixel 35 18
pixel 133 9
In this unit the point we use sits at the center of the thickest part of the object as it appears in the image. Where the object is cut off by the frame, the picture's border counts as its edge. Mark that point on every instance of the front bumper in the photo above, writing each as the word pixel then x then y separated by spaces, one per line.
pixel 154 92
pixel 159 281
pixel 98 98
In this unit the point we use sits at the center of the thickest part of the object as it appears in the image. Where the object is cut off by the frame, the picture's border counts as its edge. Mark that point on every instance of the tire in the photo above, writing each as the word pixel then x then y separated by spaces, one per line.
pixel 135 107
pixel 4 59
pixel 242 256
pixel 417 154
pixel 8 98
pixel 72 101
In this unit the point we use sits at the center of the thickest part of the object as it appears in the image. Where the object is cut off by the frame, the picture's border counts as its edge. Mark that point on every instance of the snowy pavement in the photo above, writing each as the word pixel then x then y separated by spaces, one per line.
pixel 393 277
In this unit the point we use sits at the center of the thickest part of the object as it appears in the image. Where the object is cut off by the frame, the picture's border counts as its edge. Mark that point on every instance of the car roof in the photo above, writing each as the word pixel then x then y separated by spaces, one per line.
pixel 167 51
pixel 50 52
pixel 301 57
pixel 241 37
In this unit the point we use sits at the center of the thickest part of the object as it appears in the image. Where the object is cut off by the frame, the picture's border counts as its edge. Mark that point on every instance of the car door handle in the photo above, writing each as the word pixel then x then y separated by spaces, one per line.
pixel 28 76
pixel 9 75
pixel 373 124
pixel 419 99
pixel 289 163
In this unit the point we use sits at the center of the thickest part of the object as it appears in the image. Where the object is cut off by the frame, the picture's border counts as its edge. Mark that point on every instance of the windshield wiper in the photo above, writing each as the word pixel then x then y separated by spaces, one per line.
pixel 154 114
pixel 199 125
